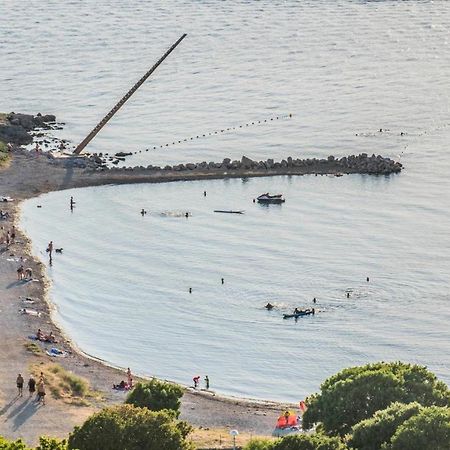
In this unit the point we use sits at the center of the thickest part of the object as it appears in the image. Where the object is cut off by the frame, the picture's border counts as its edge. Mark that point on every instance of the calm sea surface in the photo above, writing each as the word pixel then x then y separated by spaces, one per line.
pixel 344 69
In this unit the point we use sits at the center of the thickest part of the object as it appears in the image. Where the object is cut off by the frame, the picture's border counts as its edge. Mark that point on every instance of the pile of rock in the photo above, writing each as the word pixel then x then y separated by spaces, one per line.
pixel 16 127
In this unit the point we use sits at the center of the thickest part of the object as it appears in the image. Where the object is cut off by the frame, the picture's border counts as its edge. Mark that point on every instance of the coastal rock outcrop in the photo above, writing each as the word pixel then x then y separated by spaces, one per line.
pixel 15 127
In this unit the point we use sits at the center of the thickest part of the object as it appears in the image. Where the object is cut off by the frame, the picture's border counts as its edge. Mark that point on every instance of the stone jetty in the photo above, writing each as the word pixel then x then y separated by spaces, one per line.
pixel 362 163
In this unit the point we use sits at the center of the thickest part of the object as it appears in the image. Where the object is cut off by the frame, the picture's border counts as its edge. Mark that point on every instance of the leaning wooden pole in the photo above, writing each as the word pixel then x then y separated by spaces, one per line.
pixel 116 108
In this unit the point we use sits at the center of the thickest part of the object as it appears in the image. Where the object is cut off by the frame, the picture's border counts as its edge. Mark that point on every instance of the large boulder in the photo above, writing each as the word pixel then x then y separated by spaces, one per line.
pixel 246 163
pixel 15 134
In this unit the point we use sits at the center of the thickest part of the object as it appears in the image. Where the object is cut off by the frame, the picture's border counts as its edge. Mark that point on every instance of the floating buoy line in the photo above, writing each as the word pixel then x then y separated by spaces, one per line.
pixel 212 133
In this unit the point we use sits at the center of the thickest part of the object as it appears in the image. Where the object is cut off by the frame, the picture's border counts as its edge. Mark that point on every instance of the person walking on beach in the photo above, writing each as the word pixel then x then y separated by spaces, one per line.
pixel 72 203
pixel 41 391
pixel 19 383
pixel 13 235
pixel 31 385
pixel 20 273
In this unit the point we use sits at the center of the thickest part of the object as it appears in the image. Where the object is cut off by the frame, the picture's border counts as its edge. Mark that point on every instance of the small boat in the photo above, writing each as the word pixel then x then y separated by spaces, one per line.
pixel 267 198
pixel 303 312
pixel 230 211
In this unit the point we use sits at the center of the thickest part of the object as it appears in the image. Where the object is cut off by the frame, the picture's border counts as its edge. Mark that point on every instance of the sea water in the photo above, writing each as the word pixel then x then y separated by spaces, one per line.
pixel 345 70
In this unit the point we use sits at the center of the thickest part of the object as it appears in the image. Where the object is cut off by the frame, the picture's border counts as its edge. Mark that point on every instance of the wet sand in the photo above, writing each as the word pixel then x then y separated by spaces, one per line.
pixel 29 175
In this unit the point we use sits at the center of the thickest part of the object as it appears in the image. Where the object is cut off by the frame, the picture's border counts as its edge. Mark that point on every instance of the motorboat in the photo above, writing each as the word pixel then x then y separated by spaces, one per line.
pixel 267 198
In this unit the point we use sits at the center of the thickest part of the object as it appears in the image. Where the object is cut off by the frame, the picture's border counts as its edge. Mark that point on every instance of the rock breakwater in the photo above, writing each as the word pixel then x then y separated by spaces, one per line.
pixel 362 163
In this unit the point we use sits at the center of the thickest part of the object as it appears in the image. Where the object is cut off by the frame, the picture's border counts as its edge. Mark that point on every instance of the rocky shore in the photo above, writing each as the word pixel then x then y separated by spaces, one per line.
pixel 16 128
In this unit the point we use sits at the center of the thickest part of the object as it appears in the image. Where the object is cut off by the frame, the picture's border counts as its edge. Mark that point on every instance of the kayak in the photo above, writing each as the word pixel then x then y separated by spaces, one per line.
pixel 228 211
pixel 299 314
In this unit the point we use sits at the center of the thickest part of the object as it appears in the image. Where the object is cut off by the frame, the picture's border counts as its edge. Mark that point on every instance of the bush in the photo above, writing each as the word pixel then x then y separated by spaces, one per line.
pixel 427 430
pixel 12 445
pixel 371 434
pixel 259 444
pixel 309 442
pixel 47 443
pixel 127 427
pixel 156 395
pixel 298 442
pixel 356 393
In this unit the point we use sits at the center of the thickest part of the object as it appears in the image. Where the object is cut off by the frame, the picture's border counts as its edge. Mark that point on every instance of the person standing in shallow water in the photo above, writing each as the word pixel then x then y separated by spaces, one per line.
pixel 207 382
pixel 50 249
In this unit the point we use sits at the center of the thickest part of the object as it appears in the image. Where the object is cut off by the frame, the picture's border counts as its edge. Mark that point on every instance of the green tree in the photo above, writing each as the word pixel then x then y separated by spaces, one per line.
pixel 371 434
pixel 356 393
pixel 156 395
pixel 427 430
pixel 127 427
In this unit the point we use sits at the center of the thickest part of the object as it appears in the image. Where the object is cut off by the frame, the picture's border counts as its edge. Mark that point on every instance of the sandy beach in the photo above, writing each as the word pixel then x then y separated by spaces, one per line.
pixel 29 175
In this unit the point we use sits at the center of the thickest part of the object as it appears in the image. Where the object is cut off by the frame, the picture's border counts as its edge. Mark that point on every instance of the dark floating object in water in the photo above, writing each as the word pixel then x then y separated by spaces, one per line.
pixel 304 312
pixel 228 211
pixel 267 198
pixel 58 250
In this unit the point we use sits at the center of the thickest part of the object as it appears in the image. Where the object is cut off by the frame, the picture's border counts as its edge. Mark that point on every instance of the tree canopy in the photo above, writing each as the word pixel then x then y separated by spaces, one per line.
pixel 356 393
pixel 127 427
pixel 371 434
pixel 429 429
pixel 156 395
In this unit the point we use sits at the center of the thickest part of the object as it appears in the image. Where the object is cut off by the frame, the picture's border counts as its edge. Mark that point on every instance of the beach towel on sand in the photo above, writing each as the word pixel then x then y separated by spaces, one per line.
pixel 56 352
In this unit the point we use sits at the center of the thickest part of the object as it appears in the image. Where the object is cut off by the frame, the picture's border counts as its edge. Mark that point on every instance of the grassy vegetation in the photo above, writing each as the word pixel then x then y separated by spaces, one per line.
pixel 65 385
pixel 32 347
pixel 218 438
pixel 4 155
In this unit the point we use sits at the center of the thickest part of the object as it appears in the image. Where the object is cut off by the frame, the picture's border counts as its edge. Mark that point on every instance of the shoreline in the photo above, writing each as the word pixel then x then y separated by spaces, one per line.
pixel 29 175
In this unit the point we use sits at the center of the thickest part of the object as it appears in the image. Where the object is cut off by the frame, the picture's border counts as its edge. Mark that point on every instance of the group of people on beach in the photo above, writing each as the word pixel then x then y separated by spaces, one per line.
pixel 24 274
pixel 196 381
pixel 125 385
pixel 33 386
pixel 50 337
pixel 7 237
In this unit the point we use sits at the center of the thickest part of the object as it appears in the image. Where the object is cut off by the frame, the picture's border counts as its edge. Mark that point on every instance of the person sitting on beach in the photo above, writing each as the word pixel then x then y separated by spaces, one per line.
pixel 39 335
pixel 50 337
pixel 121 385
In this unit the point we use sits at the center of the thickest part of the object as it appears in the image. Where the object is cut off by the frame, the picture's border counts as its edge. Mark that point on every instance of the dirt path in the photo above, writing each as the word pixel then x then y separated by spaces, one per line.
pixel 27 176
